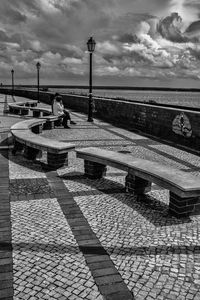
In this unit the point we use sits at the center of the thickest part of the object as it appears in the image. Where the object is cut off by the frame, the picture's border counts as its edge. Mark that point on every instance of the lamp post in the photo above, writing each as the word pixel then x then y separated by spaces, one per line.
pixel 91 46
pixel 12 73
pixel 38 66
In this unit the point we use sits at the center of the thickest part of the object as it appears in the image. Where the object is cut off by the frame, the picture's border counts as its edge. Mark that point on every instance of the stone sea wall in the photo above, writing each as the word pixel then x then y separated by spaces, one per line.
pixel 178 125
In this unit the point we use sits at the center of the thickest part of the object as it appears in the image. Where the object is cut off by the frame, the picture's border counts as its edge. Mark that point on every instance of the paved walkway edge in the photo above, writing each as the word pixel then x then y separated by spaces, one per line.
pixel 6 262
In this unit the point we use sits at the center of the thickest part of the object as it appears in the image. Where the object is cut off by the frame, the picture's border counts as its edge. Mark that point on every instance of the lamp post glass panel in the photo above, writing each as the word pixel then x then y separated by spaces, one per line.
pixel 12 72
pixel 91 46
pixel 38 66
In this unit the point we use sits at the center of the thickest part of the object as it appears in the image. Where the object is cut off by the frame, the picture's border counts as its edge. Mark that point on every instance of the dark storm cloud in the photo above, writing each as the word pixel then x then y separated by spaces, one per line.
pixel 128 38
pixel 169 28
pixel 10 14
pixel 195 26
pixel 68 51
pixel 21 6
pixel 4 38
pixel 195 53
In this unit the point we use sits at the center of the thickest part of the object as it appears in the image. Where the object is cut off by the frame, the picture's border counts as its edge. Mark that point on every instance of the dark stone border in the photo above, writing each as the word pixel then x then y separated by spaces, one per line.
pixel 6 262
pixel 106 276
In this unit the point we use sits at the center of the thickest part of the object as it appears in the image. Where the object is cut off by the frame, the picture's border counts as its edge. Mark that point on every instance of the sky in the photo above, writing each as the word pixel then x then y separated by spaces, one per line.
pixel 138 42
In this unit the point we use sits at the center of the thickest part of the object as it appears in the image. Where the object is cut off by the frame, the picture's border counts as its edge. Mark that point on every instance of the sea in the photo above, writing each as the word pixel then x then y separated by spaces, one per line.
pixel 188 99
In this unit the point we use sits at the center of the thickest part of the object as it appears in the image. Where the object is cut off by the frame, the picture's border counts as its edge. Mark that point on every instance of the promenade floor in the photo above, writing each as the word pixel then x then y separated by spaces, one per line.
pixel 63 236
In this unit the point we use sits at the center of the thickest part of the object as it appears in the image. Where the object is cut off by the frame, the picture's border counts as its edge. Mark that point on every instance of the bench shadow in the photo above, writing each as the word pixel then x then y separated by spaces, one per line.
pixel 151 208
pixel 19 159
pixel 7 141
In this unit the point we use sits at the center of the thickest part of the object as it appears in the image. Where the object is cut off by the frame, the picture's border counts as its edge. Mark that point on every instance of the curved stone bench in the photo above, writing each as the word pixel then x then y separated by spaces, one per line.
pixel 184 188
pixel 40 112
pixel 21 108
pixel 25 137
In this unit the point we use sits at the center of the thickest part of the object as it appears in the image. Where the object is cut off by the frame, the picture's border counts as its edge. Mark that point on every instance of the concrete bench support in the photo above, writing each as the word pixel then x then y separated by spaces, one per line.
pixel 16 110
pixel 24 111
pixel 18 147
pixel 94 170
pixel 29 104
pixel 49 125
pixel 56 161
pixel 183 207
pixel 31 153
pixel 37 113
pixel 137 185
pixel 37 129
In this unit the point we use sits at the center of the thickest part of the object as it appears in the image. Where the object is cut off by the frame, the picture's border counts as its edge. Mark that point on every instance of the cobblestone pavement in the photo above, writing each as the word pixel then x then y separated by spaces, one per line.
pixel 76 238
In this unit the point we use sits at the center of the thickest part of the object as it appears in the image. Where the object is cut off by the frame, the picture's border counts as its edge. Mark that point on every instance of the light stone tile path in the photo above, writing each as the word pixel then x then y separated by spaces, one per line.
pixel 47 261
pixel 154 255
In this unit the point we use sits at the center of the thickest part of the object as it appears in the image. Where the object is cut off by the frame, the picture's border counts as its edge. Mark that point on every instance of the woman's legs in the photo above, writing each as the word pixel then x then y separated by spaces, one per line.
pixel 65 119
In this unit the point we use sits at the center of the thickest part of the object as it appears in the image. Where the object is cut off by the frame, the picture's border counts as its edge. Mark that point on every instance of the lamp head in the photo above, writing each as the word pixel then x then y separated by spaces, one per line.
pixel 38 65
pixel 91 44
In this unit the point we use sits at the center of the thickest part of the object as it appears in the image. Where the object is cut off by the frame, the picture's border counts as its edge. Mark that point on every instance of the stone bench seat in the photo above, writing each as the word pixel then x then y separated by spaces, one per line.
pixel 18 109
pixel 40 112
pixel 26 138
pixel 52 121
pixel 21 108
pixel 184 188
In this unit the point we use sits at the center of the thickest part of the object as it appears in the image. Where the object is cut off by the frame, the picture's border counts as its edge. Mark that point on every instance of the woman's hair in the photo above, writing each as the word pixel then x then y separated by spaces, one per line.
pixel 58 98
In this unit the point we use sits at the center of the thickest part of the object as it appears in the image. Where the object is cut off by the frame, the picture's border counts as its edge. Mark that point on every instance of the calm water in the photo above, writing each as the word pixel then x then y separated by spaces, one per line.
pixel 189 99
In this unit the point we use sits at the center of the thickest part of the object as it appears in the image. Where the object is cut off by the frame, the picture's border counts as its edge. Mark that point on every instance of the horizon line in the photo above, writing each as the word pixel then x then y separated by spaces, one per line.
pixel 103 87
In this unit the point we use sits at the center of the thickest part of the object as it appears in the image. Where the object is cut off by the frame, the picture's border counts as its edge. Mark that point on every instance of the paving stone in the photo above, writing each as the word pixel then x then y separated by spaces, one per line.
pixel 155 254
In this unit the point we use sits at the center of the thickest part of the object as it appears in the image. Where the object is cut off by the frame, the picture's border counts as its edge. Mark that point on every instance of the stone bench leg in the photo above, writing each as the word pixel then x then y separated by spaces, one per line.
pixel 18 147
pixel 31 153
pixel 16 111
pixel 37 129
pixel 183 207
pixel 49 125
pixel 136 185
pixel 36 114
pixel 24 112
pixel 94 170
pixel 56 161
pixel 45 113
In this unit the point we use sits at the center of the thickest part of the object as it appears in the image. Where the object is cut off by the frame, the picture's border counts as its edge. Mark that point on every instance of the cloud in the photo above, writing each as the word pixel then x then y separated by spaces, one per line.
pixel 170 28
pixel 128 38
pixel 193 31
pixel 131 40
pixel 11 14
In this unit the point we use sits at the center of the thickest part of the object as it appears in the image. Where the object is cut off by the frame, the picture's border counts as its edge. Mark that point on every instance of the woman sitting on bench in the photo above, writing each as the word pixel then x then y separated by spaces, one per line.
pixel 59 110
